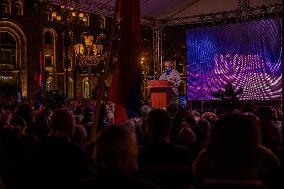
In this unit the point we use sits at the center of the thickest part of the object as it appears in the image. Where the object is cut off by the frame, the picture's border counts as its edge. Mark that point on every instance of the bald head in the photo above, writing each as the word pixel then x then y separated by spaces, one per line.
pixel 168 65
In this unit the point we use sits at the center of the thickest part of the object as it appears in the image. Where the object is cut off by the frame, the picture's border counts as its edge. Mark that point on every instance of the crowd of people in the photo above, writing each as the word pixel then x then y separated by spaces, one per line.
pixel 169 147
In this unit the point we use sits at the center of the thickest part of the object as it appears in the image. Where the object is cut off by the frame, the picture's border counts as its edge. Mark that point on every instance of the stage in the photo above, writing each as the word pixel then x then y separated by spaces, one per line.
pixel 217 106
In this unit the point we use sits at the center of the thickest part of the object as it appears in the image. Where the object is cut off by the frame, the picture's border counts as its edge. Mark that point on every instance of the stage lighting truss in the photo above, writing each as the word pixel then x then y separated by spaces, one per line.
pixel 227 16
pixel 244 12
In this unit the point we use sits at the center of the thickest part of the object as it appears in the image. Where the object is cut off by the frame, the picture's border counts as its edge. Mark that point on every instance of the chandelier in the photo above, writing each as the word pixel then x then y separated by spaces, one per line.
pixel 90 52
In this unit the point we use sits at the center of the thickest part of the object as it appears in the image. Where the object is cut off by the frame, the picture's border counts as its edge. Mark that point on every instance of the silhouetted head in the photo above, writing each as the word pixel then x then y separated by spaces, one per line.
pixel 62 123
pixel 116 148
pixel 265 113
pixel 158 125
pixel 234 134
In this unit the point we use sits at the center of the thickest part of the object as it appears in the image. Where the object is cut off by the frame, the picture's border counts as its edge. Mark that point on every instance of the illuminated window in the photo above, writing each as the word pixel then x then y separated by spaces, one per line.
pixel 49 50
pixel 86 88
pixel 70 87
pixel 86 20
pixel 18 8
pixel 102 22
pixel 6 6
pixel 48 85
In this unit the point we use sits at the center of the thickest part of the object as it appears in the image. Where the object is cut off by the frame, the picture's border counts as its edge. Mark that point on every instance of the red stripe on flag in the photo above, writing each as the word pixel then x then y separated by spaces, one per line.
pixel 128 66
pixel 38 79
pixel 38 74
pixel 119 8
pixel 120 114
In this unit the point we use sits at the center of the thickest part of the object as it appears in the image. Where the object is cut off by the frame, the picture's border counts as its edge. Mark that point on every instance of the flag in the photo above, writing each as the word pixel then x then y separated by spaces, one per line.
pixel 38 80
pixel 126 81
pixel 38 74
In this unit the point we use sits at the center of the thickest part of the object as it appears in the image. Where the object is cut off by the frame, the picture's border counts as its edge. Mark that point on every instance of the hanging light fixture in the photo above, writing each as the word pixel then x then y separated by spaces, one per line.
pixel 90 52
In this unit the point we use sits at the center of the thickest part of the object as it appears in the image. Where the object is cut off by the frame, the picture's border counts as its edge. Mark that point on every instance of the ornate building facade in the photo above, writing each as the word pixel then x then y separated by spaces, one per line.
pixel 30 28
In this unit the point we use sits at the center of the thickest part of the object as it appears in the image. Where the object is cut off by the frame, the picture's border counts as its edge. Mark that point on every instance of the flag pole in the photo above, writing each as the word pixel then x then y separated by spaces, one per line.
pixel 100 93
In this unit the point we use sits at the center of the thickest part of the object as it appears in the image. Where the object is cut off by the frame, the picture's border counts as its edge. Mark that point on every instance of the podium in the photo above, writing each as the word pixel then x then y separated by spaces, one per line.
pixel 160 91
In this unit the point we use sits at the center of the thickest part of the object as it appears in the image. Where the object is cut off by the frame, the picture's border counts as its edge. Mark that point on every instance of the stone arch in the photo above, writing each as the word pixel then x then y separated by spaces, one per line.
pixel 21 51
pixel 52 32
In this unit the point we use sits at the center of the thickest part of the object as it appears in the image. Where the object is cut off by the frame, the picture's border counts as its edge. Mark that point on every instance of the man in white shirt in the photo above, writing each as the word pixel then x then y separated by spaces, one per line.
pixel 173 76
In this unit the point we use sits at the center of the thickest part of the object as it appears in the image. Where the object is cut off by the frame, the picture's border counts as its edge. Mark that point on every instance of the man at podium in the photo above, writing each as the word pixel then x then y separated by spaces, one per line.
pixel 172 75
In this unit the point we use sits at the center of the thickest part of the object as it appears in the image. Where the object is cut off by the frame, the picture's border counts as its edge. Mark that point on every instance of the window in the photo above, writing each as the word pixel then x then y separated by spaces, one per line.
pixel 48 39
pixel 86 20
pixel 86 88
pixel 18 8
pixel 7 49
pixel 102 22
pixel 8 56
pixel 70 87
pixel 48 85
pixel 49 44
pixel 48 61
pixel 6 6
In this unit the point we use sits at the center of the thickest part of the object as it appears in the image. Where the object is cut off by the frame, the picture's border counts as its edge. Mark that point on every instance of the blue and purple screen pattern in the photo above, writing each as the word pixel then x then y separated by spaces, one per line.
pixel 247 54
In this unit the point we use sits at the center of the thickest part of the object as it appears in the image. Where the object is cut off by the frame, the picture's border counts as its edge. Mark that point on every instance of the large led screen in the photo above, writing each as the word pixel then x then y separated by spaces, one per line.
pixel 246 54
